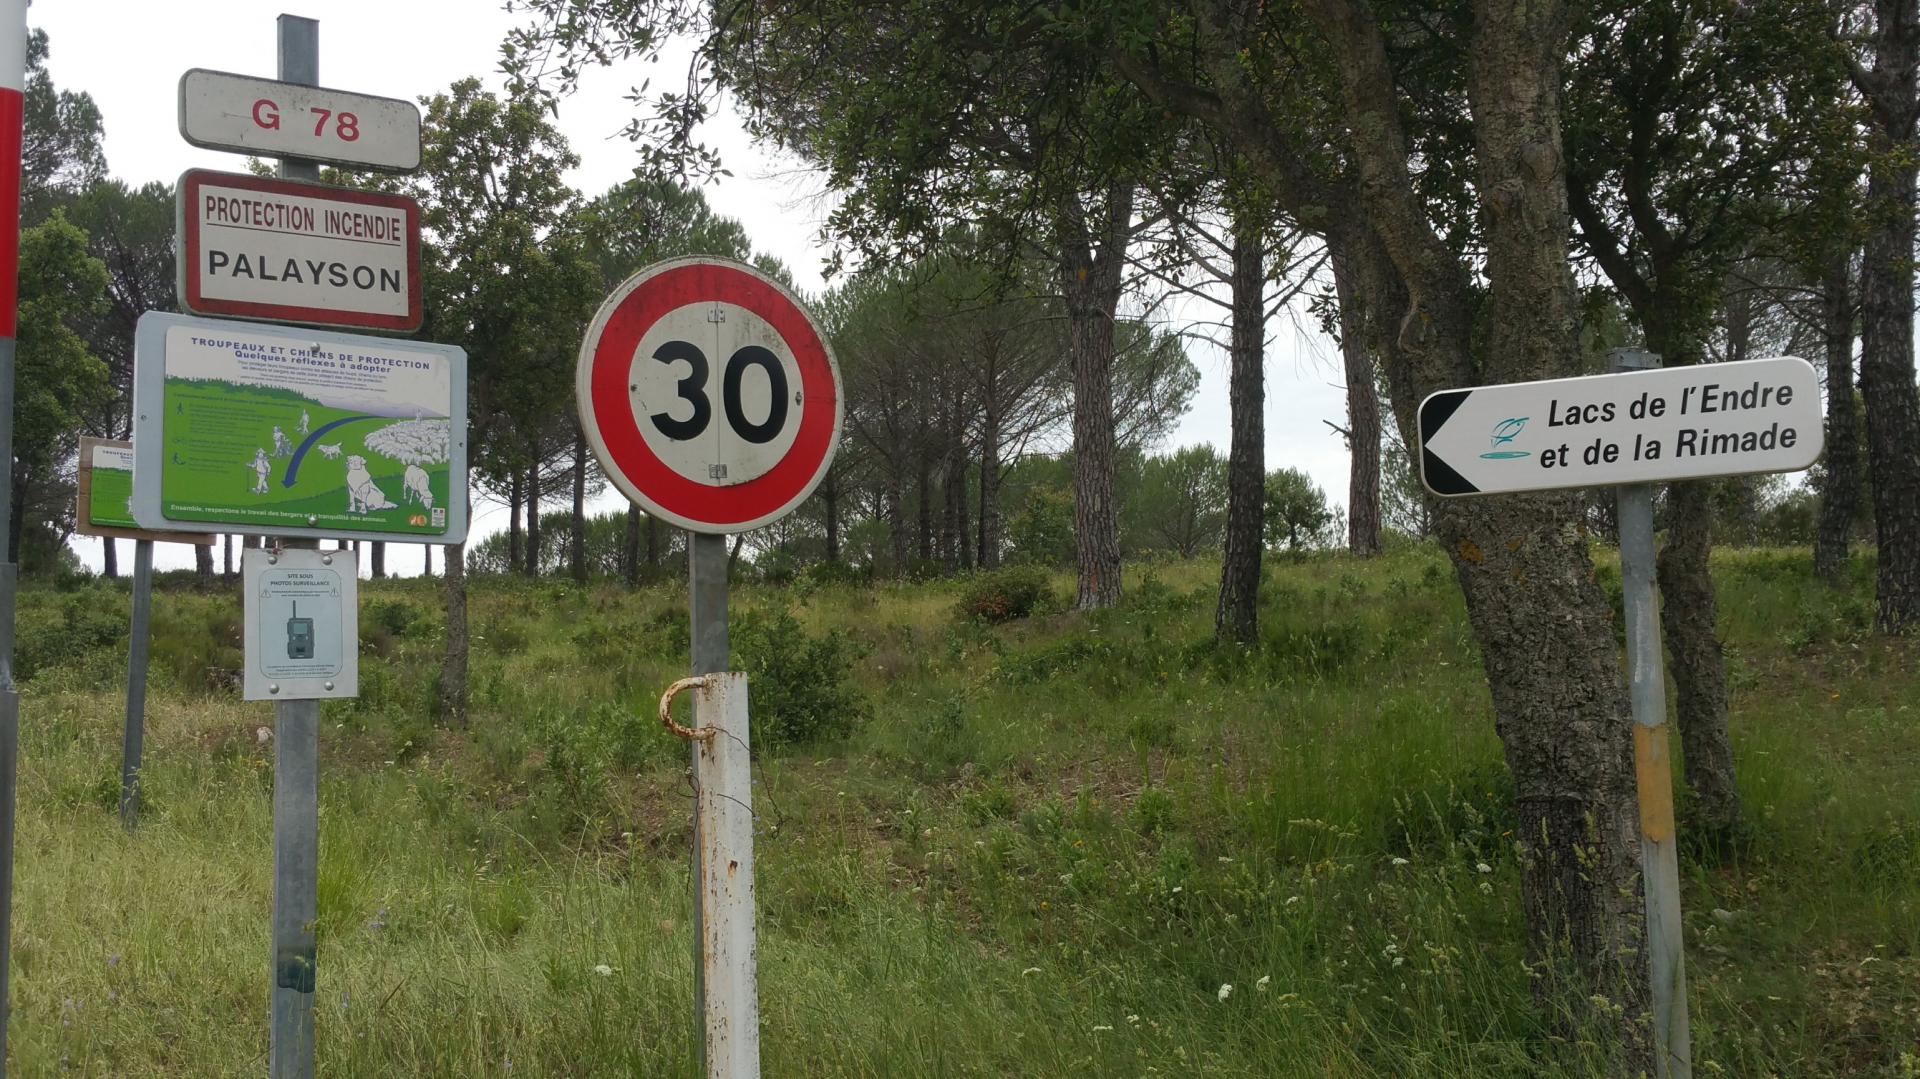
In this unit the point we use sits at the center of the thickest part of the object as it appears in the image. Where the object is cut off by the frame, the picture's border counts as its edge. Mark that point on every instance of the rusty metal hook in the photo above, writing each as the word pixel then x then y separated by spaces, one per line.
pixel 691 734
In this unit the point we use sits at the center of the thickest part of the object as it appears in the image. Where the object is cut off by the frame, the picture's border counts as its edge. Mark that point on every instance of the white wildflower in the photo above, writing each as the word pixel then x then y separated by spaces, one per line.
pixel 1399 861
pixel 1483 867
pixel 1030 970
pixel 1261 985
pixel 1226 990
pixel 603 970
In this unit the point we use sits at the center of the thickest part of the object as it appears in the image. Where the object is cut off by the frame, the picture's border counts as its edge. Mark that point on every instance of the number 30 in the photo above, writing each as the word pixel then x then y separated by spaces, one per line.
pixel 693 390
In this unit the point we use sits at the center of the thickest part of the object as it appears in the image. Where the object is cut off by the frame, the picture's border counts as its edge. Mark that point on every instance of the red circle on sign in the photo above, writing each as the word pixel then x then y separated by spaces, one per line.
pixel 606 411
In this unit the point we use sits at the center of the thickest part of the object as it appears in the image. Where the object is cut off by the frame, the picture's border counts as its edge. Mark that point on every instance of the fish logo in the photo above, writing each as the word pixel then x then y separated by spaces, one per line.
pixel 1505 432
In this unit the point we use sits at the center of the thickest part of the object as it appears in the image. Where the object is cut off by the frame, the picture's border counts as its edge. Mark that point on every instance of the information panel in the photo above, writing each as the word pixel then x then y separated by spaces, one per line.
pixel 257 429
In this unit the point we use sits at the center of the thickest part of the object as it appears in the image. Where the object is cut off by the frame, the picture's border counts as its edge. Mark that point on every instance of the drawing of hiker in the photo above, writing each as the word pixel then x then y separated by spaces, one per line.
pixel 281 447
pixel 304 421
pixel 260 469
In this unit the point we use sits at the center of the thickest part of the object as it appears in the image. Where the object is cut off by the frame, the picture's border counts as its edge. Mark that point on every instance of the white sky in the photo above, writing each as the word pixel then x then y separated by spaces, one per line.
pixel 129 54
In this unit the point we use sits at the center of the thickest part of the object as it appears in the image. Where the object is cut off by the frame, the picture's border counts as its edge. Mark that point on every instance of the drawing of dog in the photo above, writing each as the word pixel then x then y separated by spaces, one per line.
pixel 417 489
pixel 362 495
pixel 330 451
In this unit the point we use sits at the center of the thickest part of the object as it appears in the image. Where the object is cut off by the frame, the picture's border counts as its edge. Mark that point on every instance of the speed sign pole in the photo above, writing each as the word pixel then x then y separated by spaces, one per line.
pixel 712 401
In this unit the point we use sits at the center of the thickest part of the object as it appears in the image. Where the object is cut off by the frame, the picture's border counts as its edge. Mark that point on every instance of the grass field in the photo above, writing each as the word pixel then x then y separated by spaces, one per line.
pixel 1041 849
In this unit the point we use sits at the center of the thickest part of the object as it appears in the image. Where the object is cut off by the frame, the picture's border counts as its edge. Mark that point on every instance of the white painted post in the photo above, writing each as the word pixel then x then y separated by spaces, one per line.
pixel 729 949
pixel 726 978
pixel 1653 767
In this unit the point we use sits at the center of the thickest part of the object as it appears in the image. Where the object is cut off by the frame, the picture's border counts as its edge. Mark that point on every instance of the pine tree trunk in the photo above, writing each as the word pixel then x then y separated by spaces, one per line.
pixel 1238 615
pixel 830 495
pixel 203 562
pixel 630 548
pixel 452 696
pixel 534 529
pixel 1840 487
pixel 923 458
pixel 962 510
pixel 1886 317
pixel 109 563
pixel 988 525
pixel 426 551
pixel 1363 419
pixel 516 488
pixel 379 559
pixel 896 521
pixel 950 499
pixel 1090 279
pixel 226 557
pixel 577 541
pixel 653 541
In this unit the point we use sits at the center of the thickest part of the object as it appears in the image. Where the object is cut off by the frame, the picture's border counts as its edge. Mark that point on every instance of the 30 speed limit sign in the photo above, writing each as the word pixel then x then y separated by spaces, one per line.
pixel 708 394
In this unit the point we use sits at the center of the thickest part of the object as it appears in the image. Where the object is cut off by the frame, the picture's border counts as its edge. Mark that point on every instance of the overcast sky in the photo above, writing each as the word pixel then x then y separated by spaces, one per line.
pixel 129 54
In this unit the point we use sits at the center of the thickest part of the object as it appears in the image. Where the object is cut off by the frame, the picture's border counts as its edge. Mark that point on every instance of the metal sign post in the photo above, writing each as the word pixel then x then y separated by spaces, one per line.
pixel 138 644
pixel 707 606
pixel 103 508
pixel 13 74
pixel 1653 767
pixel 296 745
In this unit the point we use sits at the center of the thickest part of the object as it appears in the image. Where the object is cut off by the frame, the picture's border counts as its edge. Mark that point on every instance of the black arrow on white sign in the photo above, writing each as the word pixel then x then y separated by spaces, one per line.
pixel 1678 423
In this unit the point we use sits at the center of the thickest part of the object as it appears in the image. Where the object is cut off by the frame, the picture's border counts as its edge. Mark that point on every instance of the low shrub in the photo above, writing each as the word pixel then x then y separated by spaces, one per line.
pixel 1004 595
pixel 800 690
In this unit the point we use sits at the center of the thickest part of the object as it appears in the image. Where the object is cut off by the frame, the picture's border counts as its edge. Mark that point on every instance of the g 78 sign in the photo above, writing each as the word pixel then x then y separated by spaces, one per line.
pixel 262 116
pixel 709 395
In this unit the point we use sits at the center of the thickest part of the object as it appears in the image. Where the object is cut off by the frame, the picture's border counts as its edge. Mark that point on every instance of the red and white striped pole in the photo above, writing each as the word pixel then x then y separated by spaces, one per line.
pixel 13 81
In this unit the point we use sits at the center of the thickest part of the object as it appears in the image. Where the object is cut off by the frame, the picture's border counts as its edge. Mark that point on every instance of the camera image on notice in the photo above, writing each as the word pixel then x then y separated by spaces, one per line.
pixel 299 635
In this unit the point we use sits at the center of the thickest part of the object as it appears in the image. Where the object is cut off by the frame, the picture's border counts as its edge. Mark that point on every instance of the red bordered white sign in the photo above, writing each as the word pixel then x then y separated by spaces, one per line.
pixel 709 395
pixel 285 251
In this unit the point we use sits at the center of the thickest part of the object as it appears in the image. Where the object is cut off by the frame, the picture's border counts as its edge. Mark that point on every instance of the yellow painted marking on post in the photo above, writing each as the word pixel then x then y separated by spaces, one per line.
pixel 1653 768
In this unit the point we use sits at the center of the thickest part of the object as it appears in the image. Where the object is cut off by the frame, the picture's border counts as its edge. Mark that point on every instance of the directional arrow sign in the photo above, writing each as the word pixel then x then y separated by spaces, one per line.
pixel 1721 419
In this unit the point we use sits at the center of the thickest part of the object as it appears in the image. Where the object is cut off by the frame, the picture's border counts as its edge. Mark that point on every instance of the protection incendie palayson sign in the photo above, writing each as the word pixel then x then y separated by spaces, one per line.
pixel 285 251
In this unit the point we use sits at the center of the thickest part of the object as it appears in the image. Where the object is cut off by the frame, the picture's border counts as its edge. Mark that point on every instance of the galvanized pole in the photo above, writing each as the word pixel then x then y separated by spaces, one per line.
pixel 729 948
pixel 13 77
pixel 1653 767
pixel 296 744
pixel 707 602
pixel 138 639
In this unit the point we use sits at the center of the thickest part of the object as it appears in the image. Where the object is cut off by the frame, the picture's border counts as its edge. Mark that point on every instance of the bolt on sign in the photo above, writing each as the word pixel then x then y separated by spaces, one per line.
pixel 267 118
pixel 241 427
pixel 709 395
pixel 1677 423
pixel 286 251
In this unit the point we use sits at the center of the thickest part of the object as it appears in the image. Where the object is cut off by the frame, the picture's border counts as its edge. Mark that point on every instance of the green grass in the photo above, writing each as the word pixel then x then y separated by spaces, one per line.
pixel 1043 851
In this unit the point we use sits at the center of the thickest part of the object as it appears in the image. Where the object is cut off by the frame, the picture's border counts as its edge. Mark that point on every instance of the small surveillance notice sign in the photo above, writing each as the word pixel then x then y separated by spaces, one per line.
pixel 302 624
